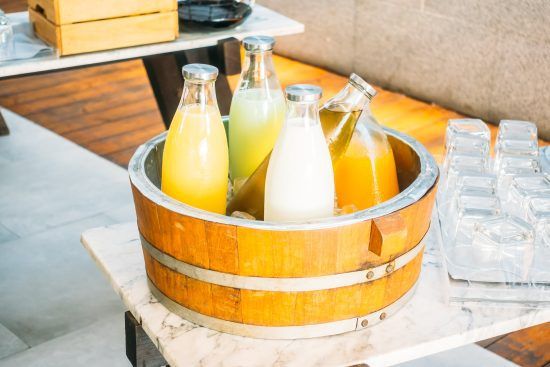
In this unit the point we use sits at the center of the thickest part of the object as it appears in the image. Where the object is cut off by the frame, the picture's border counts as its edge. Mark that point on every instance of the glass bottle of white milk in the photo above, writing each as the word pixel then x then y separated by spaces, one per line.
pixel 300 179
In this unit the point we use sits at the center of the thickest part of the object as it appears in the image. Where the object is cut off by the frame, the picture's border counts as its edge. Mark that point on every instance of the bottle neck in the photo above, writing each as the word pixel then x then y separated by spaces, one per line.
pixel 258 71
pixel 303 112
pixel 349 99
pixel 198 92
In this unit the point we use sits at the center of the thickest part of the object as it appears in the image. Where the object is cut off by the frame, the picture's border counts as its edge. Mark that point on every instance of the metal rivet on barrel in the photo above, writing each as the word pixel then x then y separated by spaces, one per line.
pixel 370 274
pixel 383 316
pixel 364 323
pixel 389 268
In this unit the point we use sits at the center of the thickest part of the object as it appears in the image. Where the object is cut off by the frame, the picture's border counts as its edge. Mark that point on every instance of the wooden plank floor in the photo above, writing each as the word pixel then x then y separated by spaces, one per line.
pixel 110 109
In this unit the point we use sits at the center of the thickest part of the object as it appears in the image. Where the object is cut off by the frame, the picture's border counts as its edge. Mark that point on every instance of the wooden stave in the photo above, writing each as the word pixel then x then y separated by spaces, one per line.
pixel 283 332
pixel 295 284
pixel 278 309
pixel 216 246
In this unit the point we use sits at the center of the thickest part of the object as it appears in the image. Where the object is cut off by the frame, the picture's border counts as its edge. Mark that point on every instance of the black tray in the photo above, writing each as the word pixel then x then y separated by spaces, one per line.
pixel 213 14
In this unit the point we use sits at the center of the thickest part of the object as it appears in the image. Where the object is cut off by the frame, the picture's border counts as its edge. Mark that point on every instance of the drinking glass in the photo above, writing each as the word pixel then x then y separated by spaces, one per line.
pixel 483 182
pixel 514 166
pixel 538 214
pixel 545 235
pixel 515 148
pixel 466 127
pixel 516 130
pixel 6 37
pixel 504 241
pixel 471 207
pixel 467 182
pixel 462 164
pixel 472 145
pixel 522 189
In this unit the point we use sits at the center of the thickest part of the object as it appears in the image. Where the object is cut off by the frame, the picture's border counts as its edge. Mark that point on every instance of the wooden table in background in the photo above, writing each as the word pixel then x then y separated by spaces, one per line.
pixel 163 61
pixel 110 110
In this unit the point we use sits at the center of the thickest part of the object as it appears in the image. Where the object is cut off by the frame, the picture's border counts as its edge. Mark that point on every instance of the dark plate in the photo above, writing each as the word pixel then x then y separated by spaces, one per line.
pixel 200 14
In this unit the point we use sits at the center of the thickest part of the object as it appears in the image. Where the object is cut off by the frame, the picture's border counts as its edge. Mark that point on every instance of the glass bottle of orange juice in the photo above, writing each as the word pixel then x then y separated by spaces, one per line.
pixel 365 175
pixel 195 163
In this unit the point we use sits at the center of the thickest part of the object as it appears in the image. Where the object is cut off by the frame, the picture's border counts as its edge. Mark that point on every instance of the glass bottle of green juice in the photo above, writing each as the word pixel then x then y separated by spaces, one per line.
pixel 257 110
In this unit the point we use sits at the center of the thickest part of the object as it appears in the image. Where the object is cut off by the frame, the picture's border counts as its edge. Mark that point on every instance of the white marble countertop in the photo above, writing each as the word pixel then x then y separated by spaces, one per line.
pixel 261 21
pixel 424 326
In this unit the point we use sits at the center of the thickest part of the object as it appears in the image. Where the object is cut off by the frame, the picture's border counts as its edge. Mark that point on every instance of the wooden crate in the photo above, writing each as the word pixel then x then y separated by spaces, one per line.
pixel 79 26
pixel 62 12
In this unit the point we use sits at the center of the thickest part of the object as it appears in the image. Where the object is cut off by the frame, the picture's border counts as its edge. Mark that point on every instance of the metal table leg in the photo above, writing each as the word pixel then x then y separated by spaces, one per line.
pixel 3 126
pixel 140 350
pixel 164 72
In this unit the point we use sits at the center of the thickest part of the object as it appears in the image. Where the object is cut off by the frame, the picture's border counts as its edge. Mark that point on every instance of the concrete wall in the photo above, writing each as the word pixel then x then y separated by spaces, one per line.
pixel 486 58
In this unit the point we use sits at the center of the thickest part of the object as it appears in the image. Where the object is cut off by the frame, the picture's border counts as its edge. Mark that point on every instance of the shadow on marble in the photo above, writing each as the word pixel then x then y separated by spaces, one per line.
pixel 28 141
pixel 10 343
pixel 57 189
pixel 6 234
pixel 52 181
pixel 50 286
pixel 98 345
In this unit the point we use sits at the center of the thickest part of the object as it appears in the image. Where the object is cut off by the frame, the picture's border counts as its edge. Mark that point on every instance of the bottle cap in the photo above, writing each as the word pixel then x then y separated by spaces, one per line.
pixel 362 85
pixel 303 93
pixel 200 72
pixel 258 43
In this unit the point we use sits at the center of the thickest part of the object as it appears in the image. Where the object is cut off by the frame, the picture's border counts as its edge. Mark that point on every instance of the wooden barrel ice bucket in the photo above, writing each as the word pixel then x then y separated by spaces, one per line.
pixel 285 281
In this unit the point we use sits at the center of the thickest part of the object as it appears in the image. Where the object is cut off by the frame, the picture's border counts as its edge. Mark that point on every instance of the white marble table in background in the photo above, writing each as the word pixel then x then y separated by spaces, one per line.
pixel 425 326
pixel 261 21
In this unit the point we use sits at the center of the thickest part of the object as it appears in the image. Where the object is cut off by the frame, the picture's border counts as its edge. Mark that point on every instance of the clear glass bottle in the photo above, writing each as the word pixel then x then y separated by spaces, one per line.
pixel 340 113
pixel 195 160
pixel 338 118
pixel 257 110
pixel 6 37
pixel 300 181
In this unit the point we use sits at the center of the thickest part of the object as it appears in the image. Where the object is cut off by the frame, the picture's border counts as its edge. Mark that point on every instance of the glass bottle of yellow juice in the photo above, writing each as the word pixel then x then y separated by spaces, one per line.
pixel 257 110
pixel 195 160
pixel 300 181
pixel 338 118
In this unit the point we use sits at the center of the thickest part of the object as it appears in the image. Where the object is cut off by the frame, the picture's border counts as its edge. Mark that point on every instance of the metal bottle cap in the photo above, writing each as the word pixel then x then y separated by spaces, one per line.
pixel 303 93
pixel 362 85
pixel 200 72
pixel 258 43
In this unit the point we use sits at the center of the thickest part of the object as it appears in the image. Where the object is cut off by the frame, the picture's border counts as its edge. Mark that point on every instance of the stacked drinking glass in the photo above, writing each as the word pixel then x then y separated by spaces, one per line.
pixel 494 214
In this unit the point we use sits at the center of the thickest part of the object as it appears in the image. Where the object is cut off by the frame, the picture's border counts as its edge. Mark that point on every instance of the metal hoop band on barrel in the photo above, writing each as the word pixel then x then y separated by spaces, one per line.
pixel 282 284
pixel 282 332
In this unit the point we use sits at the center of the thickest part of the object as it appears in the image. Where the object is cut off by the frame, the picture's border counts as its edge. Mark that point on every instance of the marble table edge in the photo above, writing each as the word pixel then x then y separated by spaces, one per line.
pixel 440 345
pixel 383 359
